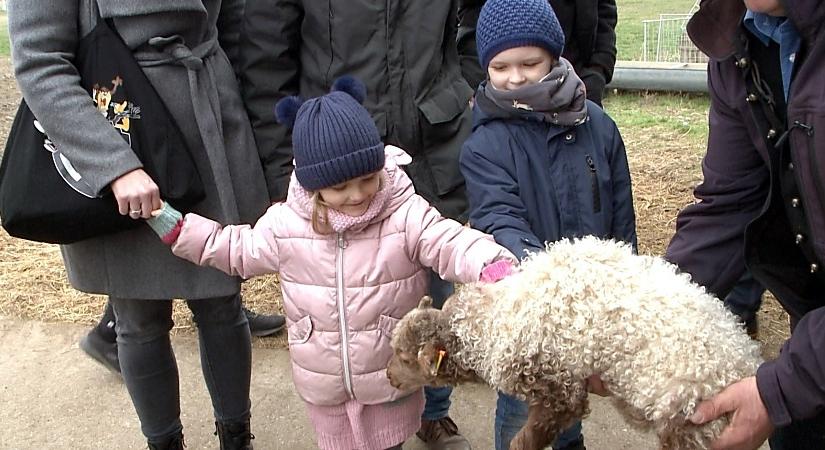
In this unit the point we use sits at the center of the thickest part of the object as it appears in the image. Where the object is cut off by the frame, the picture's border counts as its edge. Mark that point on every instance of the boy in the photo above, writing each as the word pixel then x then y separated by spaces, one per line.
pixel 543 162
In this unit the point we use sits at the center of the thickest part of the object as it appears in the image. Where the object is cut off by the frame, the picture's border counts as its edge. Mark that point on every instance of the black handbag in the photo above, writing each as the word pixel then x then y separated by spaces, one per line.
pixel 43 198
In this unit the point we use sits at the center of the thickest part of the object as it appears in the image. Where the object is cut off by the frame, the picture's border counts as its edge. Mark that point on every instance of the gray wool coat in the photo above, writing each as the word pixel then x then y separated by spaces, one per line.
pixel 204 99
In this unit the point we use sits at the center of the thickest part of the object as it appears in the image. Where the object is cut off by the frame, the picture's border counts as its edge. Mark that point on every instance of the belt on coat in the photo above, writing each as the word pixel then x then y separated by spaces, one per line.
pixel 203 92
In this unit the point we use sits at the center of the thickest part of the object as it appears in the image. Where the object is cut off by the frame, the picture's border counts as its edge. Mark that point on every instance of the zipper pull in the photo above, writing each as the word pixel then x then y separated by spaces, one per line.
pixel 809 131
pixel 341 242
pixel 591 164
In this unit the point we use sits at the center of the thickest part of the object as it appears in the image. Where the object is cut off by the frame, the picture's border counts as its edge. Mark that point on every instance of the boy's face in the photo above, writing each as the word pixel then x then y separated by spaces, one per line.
pixel 352 197
pixel 519 66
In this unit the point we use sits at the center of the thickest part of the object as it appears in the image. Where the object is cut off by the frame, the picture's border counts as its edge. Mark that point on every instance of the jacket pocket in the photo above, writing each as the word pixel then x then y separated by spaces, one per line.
pixel 300 331
pixel 444 103
pixel 387 325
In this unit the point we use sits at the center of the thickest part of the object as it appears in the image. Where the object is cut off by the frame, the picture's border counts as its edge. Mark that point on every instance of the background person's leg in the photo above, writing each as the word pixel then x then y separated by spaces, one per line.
pixel 226 360
pixel 226 354
pixel 148 365
pixel 744 300
pixel 511 415
pixel 100 342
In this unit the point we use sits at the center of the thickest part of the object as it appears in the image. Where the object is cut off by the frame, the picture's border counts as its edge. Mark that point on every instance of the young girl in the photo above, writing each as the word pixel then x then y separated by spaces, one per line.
pixel 353 244
pixel 543 163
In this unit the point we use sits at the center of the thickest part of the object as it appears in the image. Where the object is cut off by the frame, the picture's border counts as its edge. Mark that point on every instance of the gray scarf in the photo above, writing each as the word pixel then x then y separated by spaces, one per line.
pixel 559 98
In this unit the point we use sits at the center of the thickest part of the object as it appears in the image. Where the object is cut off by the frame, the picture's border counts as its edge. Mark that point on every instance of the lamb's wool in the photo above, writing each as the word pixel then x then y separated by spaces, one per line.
pixel 660 342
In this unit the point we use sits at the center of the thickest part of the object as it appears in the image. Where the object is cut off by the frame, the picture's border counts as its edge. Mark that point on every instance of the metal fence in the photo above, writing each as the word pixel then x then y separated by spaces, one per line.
pixel 666 40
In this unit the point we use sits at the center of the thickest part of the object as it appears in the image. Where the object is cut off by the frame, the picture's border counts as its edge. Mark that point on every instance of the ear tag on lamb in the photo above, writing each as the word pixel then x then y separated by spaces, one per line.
pixel 441 354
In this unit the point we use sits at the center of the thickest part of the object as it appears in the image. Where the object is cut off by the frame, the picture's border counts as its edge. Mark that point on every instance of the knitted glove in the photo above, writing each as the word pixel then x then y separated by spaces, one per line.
pixel 166 222
pixel 495 271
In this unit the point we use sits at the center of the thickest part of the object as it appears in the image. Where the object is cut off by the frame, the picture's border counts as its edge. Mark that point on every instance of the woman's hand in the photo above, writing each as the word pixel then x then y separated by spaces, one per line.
pixel 137 194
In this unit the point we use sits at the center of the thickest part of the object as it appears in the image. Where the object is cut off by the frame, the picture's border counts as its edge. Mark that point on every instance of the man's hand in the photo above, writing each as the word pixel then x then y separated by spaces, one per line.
pixel 749 426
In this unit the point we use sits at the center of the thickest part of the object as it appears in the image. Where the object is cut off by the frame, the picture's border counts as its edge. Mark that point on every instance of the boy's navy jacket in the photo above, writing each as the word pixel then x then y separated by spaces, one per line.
pixel 531 182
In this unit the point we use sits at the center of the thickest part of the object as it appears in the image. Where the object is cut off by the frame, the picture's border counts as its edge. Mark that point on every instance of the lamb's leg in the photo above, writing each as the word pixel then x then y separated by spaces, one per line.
pixel 547 418
pixel 536 433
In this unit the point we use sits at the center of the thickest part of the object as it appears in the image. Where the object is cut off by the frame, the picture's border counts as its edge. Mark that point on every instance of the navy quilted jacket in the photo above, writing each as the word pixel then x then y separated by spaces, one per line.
pixel 531 182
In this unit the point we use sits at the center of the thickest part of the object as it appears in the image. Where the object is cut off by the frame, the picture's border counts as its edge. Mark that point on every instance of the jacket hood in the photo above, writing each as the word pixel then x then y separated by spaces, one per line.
pixel 715 27
pixel 395 180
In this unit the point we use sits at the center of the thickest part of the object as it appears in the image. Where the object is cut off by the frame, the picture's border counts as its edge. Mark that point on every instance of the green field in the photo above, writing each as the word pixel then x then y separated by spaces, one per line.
pixel 630 32
pixel 4 35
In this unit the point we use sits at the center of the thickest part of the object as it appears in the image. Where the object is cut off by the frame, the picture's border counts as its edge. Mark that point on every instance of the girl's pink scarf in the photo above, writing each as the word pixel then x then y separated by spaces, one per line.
pixel 341 222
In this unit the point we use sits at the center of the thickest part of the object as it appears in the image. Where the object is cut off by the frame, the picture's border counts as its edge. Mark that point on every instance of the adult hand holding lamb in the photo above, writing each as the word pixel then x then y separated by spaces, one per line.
pixel 750 425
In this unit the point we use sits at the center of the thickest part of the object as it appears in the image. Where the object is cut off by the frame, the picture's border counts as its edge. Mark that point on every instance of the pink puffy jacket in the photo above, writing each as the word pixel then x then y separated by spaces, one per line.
pixel 344 293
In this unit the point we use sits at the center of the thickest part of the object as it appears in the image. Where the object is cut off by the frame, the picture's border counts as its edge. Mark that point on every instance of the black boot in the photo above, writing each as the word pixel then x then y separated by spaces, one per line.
pixel 172 443
pixel 235 435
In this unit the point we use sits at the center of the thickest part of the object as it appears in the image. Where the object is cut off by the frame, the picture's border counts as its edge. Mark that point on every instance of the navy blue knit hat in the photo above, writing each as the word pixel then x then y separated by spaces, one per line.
pixel 334 139
pixel 505 24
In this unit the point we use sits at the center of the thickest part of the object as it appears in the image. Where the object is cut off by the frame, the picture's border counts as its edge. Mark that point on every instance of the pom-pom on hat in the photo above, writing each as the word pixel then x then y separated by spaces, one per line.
pixel 505 24
pixel 334 139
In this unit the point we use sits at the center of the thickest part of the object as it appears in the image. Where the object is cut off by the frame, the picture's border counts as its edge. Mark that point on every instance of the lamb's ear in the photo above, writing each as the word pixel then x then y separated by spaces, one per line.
pixel 426 302
pixel 428 359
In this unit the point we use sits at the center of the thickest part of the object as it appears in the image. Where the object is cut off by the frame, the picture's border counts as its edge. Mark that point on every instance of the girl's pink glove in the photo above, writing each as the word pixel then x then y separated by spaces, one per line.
pixel 495 271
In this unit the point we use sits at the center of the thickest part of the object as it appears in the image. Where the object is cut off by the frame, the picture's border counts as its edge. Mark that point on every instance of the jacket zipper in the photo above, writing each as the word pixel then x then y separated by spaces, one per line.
pixel 342 320
pixel 594 184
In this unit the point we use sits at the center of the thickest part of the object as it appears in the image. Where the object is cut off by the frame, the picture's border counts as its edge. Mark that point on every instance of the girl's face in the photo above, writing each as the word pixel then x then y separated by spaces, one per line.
pixel 519 66
pixel 769 7
pixel 352 197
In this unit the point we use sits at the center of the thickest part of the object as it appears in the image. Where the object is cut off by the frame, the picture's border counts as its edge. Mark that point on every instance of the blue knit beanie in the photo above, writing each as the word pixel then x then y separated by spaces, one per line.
pixel 505 24
pixel 334 139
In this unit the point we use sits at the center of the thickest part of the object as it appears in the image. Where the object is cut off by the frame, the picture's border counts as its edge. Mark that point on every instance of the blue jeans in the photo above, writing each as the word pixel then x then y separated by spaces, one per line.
pixel 437 405
pixel 511 415
pixel 151 373
pixel 745 298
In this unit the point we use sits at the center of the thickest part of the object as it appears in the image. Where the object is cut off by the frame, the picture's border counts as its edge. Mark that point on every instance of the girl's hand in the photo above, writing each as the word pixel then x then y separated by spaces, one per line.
pixel 137 194
pixel 596 386
pixel 496 271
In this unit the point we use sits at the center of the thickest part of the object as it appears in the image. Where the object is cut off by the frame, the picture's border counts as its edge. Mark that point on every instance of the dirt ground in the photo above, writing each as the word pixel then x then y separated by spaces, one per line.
pixel 664 166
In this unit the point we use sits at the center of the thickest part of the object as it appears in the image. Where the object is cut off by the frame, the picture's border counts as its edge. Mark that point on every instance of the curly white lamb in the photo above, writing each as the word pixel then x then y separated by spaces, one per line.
pixel 589 306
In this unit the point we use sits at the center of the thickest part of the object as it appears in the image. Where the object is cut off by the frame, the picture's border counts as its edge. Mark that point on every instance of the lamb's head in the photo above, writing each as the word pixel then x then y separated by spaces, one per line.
pixel 419 348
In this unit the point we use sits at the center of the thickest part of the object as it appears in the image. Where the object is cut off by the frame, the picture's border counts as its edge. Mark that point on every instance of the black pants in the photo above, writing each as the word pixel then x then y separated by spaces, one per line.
pixel 150 370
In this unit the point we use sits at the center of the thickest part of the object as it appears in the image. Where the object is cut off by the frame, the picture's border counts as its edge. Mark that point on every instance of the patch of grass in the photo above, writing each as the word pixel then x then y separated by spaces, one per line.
pixel 630 32
pixel 5 49
pixel 684 114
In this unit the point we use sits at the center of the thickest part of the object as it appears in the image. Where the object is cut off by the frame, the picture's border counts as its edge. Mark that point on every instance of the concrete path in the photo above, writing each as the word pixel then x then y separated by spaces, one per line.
pixel 54 397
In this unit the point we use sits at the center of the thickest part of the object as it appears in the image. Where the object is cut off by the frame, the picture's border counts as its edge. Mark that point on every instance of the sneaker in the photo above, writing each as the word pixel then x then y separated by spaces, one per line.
pixel 264 324
pixel 101 350
pixel 442 434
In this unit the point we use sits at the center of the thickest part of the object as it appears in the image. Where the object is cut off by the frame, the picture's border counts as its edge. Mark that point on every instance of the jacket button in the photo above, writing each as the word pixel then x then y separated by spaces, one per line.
pixel 790 166
pixel 814 268
pixel 751 98
pixel 799 238
pixel 771 133
pixel 742 63
pixel 568 137
pixel 795 202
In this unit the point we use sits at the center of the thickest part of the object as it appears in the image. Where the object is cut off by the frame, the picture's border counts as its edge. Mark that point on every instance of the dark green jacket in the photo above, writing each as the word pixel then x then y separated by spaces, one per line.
pixel 403 50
